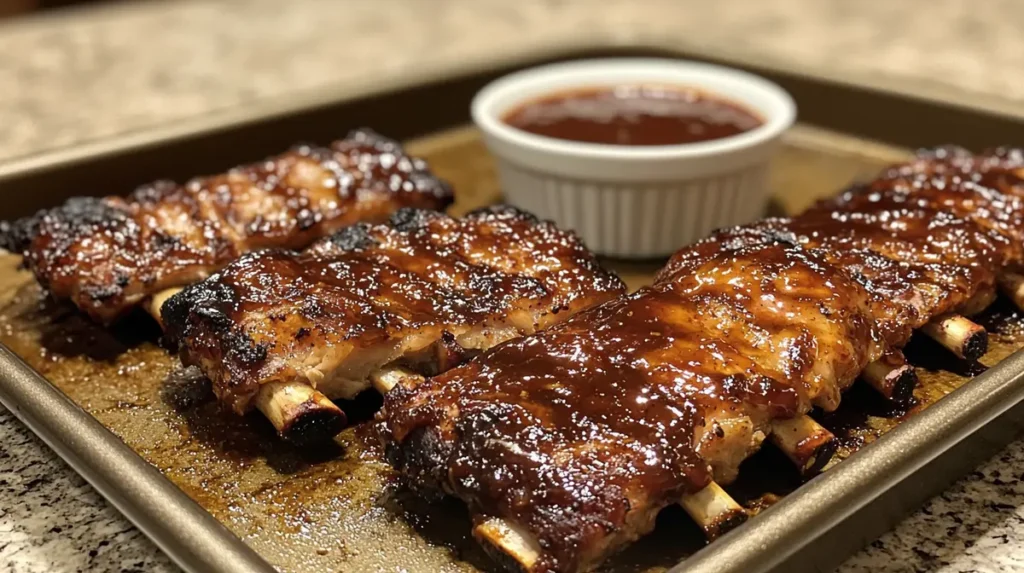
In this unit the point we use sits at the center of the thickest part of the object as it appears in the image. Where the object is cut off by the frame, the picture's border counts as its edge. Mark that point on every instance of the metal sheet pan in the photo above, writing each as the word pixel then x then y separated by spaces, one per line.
pixel 313 511
pixel 179 526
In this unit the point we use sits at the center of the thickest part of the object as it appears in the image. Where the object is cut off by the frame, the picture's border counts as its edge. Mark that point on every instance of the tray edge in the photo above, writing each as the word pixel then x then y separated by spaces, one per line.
pixel 182 529
pixel 833 497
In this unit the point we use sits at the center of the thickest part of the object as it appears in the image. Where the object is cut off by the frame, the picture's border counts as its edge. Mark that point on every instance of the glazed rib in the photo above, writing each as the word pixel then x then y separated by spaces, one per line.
pixel 109 254
pixel 581 433
pixel 576 436
pixel 915 264
pixel 424 291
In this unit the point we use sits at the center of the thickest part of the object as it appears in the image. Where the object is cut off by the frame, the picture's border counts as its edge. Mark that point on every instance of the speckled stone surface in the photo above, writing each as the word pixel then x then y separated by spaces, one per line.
pixel 975 526
pixel 52 520
pixel 85 75
pixel 82 76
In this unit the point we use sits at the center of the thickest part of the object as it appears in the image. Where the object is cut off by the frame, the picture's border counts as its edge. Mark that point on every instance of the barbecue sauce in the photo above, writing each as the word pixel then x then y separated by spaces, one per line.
pixel 638 115
pixel 378 286
pixel 576 430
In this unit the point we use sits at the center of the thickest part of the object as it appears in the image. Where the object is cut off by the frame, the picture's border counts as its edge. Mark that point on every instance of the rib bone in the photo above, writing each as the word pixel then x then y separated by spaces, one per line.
pixel 959 335
pixel 892 377
pixel 297 411
pixel 805 442
pixel 158 300
pixel 712 508
pixel 508 542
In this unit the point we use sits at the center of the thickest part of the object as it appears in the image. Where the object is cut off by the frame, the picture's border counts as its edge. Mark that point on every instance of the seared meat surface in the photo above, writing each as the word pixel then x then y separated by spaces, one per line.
pixel 109 254
pixel 580 434
pixel 914 263
pixel 424 291
pixel 987 189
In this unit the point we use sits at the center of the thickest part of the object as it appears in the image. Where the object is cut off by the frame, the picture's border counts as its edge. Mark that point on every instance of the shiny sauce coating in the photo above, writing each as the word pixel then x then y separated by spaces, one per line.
pixel 639 115
pixel 380 291
pixel 580 433
pixel 108 254
pixel 583 431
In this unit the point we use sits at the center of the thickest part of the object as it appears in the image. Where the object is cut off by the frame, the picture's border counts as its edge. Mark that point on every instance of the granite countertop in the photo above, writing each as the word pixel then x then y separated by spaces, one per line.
pixel 84 75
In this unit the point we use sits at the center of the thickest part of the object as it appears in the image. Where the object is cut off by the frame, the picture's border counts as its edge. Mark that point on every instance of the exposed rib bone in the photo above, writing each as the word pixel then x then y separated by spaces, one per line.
pixel 805 442
pixel 297 411
pixel 892 377
pixel 508 543
pixel 158 300
pixel 388 377
pixel 959 335
pixel 896 380
pixel 712 508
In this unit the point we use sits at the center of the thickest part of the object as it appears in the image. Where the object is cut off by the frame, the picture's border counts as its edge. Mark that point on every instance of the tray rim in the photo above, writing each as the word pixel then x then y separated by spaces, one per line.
pixel 828 499
pixel 179 526
pixel 198 542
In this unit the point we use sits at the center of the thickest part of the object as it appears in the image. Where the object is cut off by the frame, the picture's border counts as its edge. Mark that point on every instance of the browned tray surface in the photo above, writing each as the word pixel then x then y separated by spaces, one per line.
pixel 336 508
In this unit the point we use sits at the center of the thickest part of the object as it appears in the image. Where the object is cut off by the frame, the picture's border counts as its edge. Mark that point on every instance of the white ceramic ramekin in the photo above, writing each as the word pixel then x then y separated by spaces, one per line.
pixel 635 201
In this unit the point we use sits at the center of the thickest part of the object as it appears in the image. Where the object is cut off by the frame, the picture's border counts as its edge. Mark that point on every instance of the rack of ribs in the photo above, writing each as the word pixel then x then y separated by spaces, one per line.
pixel 566 443
pixel 108 255
pixel 284 331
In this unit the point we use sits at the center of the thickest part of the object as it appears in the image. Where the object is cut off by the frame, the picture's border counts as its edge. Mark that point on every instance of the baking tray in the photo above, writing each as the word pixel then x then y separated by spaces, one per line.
pixel 219 493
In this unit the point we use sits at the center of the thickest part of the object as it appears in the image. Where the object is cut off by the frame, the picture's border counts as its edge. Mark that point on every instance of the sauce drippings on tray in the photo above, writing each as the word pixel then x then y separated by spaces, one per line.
pixel 633 115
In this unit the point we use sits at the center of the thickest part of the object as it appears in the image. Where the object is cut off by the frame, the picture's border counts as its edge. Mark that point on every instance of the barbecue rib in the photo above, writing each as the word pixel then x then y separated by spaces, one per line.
pixel 424 291
pixel 108 254
pixel 566 444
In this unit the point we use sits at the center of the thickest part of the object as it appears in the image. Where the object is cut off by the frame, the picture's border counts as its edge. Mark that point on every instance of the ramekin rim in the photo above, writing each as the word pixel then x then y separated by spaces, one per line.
pixel 490 121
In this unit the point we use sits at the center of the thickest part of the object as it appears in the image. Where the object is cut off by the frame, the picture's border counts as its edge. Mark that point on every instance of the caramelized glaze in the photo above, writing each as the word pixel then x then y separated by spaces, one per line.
pixel 108 254
pixel 570 431
pixel 377 294
pixel 581 433
pixel 914 263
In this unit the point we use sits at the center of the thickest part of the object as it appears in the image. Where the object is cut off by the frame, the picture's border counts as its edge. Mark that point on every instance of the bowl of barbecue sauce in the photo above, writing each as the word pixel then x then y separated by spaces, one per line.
pixel 638 156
